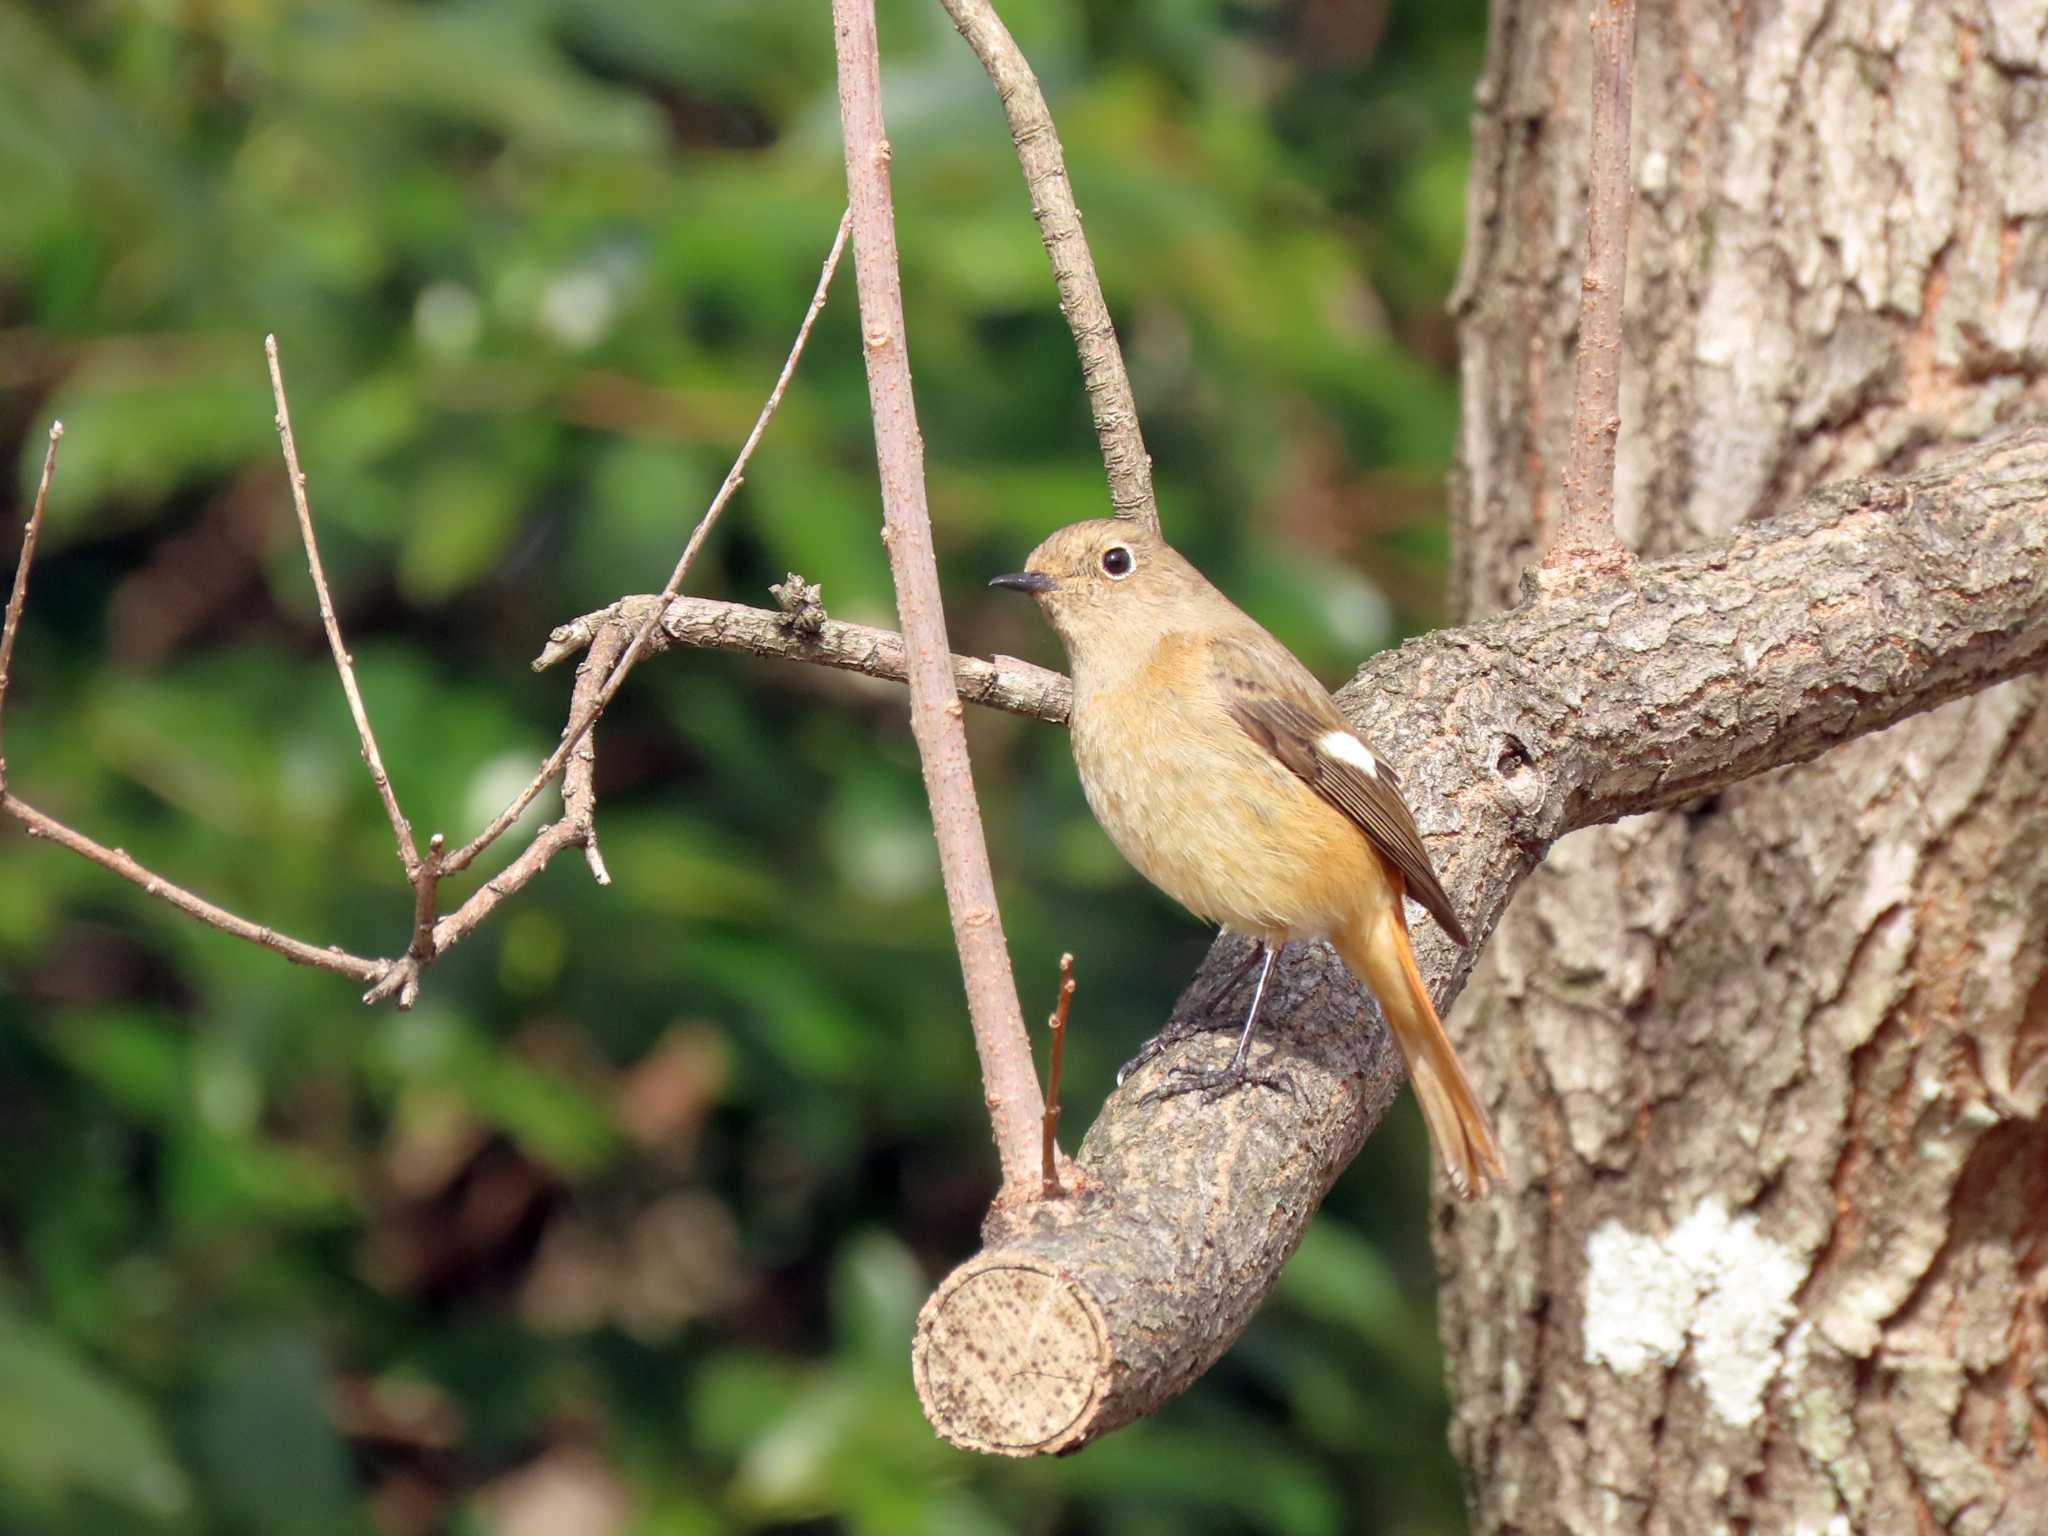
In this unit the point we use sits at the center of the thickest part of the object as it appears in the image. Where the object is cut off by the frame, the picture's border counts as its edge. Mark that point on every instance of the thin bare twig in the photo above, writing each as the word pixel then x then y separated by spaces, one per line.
pixel 1009 1081
pixel 1585 538
pixel 461 859
pixel 1050 1151
pixel 19 595
pixel 38 824
pixel 1110 402
pixel 705 623
pixel 343 663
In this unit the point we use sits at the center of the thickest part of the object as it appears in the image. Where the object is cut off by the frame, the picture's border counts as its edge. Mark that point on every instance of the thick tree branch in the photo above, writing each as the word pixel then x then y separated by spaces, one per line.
pixel 1585 538
pixel 1009 1080
pixel 1110 402
pixel 1869 602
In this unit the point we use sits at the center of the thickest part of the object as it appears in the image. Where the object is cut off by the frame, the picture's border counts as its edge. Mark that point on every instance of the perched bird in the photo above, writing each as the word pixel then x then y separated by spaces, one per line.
pixel 1223 771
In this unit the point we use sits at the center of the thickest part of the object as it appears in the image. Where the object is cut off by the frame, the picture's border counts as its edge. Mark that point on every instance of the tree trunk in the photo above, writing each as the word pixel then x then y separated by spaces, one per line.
pixel 1771 1070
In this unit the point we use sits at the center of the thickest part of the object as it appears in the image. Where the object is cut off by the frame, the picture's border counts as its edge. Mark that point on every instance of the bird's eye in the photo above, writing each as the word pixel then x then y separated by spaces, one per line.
pixel 1116 560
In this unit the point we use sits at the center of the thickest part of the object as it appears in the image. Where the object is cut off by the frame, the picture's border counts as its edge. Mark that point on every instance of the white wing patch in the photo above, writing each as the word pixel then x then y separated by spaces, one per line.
pixel 1347 748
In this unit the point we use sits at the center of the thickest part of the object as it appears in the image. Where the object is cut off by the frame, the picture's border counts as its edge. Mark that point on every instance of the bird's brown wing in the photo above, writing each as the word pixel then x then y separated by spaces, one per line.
pixel 1280 705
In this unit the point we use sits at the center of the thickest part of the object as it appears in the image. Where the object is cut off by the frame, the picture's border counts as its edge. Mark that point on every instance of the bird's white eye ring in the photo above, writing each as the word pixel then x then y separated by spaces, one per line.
pixel 1117 562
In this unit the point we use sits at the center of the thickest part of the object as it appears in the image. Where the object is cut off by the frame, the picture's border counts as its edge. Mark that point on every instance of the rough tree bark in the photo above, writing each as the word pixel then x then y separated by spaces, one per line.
pixel 1772 1069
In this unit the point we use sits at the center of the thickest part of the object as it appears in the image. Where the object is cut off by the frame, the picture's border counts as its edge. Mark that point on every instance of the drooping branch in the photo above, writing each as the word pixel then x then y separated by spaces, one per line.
pixel 1867 603
pixel 397 978
pixel 1110 402
pixel 1010 1084
pixel 1585 539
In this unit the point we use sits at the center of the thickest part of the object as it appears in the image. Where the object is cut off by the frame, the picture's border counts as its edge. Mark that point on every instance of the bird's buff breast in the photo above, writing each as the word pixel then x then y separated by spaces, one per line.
pixel 1211 818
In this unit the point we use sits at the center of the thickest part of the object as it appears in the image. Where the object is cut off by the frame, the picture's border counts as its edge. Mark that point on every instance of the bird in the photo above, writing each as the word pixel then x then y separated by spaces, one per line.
pixel 1225 773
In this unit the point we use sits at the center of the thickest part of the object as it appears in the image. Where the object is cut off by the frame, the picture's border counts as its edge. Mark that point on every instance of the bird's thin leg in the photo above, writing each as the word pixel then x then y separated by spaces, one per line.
pixel 1251 1019
pixel 1213 1085
pixel 1201 1021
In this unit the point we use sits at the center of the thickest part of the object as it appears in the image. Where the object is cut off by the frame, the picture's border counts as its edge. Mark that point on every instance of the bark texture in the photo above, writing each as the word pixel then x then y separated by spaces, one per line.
pixel 1773 1069
pixel 1869 602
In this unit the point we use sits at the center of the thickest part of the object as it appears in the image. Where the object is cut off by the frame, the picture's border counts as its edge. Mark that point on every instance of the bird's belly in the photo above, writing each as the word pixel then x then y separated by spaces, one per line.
pixel 1223 827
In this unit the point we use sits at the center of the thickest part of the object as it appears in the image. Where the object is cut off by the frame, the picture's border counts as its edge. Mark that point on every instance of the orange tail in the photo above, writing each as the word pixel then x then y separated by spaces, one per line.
pixel 1377 950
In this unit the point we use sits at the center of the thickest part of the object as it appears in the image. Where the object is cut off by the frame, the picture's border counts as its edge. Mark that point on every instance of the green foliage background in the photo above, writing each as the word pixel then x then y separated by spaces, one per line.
pixel 634 1211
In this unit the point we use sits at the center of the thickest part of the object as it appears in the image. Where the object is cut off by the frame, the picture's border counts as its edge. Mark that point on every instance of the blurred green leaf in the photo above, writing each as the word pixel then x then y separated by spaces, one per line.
pixel 130 1056
pixel 68 1426
pixel 264 1437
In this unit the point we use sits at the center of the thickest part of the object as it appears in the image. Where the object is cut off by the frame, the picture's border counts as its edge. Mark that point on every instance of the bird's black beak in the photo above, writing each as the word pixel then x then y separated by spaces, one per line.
pixel 1034 582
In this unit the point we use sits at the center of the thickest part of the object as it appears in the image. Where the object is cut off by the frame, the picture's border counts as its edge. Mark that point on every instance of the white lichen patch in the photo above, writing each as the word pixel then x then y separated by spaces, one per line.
pixel 1713 1291
pixel 1639 1301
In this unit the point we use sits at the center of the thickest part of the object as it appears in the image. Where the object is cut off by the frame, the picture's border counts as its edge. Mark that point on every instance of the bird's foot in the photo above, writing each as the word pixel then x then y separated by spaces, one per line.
pixel 1209 1018
pixel 1216 1083
pixel 1176 1031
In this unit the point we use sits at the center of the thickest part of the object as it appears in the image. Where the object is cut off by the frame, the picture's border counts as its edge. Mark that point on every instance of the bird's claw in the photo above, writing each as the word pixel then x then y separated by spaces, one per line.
pixel 1213 1084
pixel 1173 1034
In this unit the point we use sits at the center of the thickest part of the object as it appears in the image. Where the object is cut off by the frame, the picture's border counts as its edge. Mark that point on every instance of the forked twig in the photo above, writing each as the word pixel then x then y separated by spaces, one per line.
pixel 604 668
pixel 581 723
pixel 41 824
pixel 1050 1160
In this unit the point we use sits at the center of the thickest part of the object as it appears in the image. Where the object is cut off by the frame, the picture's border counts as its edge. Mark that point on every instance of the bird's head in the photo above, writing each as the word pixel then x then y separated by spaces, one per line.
pixel 1110 582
